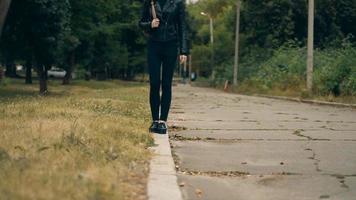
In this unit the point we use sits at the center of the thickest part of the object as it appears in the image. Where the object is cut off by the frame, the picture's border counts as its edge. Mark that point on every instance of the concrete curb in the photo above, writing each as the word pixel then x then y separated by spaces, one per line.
pixel 162 180
pixel 325 103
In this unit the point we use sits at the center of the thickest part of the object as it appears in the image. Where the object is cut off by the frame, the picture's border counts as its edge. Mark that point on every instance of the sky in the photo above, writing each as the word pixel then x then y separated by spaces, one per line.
pixel 192 1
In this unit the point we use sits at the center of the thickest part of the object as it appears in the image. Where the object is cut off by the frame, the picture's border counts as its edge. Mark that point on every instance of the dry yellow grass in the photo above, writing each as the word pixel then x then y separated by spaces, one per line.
pixel 85 141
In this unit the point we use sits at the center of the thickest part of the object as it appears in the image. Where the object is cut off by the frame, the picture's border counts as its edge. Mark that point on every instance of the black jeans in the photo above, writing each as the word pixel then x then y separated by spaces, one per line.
pixel 161 56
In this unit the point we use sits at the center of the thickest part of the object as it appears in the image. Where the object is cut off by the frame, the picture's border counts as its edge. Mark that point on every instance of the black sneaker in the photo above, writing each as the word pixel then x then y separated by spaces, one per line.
pixel 162 128
pixel 154 127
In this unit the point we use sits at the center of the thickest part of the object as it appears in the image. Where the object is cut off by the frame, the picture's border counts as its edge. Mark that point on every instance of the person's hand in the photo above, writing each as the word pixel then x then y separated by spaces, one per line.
pixel 155 23
pixel 182 59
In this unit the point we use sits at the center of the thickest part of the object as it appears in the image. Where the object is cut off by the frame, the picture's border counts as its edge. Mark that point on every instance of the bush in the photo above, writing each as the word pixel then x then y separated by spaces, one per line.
pixel 286 68
pixel 349 86
pixel 202 65
pixel 335 72
pixel 80 72
pixel 4 81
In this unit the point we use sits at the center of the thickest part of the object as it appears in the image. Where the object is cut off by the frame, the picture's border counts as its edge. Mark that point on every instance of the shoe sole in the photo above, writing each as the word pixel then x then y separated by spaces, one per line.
pixel 158 131
pixel 162 132
pixel 152 130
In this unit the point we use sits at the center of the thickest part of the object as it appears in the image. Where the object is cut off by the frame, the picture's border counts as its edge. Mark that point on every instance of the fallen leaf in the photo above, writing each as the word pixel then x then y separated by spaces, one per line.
pixel 182 184
pixel 199 193
pixel 43 149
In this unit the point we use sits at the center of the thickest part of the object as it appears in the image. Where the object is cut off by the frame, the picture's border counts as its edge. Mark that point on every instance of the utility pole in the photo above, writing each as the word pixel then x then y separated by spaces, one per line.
pixel 237 39
pixel 4 7
pixel 211 30
pixel 310 59
pixel 212 48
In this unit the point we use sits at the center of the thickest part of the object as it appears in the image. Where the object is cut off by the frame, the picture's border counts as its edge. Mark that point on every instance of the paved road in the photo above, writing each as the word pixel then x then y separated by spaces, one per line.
pixel 234 147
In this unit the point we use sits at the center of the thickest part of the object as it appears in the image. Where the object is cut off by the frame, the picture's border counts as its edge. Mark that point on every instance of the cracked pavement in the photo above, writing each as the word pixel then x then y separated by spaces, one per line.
pixel 229 146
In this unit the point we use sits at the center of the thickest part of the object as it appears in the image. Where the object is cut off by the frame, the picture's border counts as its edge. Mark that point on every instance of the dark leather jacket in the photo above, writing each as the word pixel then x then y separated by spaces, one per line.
pixel 172 23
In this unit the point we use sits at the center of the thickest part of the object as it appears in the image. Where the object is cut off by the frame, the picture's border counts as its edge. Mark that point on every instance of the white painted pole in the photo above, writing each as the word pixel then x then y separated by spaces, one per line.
pixel 190 69
pixel 310 59
pixel 211 30
pixel 236 64
pixel 212 47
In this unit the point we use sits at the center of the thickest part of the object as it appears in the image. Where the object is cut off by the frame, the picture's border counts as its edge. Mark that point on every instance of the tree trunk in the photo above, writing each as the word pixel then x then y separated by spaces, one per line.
pixel 1 73
pixel 10 70
pixel 67 78
pixel 4 7
pixel 41 71
pixel 28 72
pixel 46 68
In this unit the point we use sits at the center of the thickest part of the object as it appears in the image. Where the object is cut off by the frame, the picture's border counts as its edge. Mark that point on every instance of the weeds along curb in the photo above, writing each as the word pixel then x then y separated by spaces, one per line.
pixel 162 180
pixel 323 103
pixel 316 102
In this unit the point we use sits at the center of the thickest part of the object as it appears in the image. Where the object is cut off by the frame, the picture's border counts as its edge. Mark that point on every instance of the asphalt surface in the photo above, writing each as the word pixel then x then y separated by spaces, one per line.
pixel 229 146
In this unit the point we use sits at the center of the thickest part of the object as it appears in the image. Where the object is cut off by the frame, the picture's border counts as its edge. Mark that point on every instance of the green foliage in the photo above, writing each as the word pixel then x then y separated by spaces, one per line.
pixel 202 50
pixel 335 72
pixel 268 23
pixel 109 37
pixel 349 85
pixel 97 35
pixel 202 62
pixel 273 37
pixel 102 37
pixel 286 67
pixel 34 29
pixel 4 81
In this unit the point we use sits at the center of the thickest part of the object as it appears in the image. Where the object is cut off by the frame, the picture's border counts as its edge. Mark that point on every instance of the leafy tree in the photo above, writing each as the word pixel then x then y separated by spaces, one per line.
pixel 49 20
pixel 265 27
pixel 109 40
pixel 33 31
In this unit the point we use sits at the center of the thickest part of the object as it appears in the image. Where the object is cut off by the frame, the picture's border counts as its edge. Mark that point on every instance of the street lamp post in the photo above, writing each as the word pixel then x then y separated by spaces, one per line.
pixel 211 41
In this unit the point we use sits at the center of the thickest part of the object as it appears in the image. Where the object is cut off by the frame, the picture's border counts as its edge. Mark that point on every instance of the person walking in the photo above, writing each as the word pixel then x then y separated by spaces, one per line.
pixel 164 22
